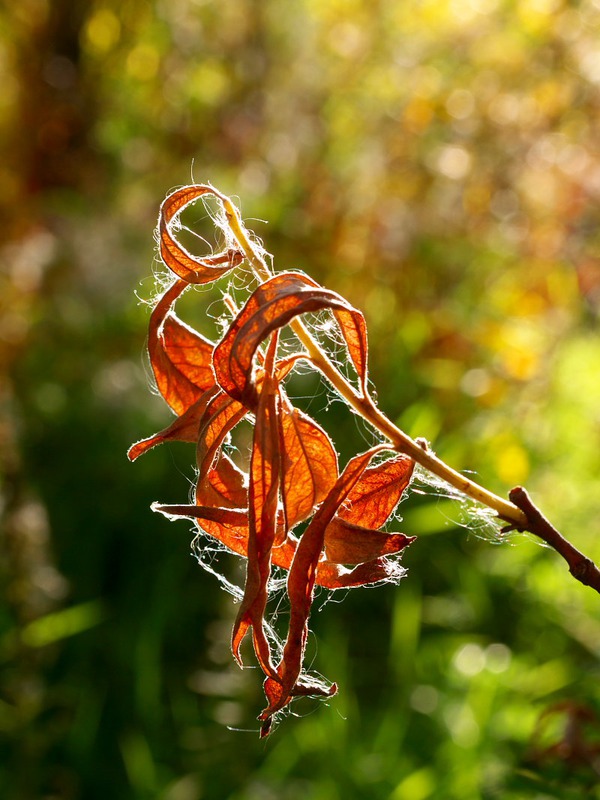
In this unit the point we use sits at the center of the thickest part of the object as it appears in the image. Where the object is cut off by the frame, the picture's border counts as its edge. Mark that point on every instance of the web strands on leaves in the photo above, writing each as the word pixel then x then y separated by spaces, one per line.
pixel 293 475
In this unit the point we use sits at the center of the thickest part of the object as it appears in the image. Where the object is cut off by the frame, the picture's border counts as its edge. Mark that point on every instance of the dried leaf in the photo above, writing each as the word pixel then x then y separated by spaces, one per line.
pixel 274 304
pixel 336 576
pixel 227 525
pixel 309 464
pixel 347 543
pixel 190 268
pixel 354 330
pixel 301 581
pixel 263 504
pixel 230 527
pixel 221 415
pixel 180 357
pixel 184 429
pixel 228 483
pixel 378 492
pixel 307 686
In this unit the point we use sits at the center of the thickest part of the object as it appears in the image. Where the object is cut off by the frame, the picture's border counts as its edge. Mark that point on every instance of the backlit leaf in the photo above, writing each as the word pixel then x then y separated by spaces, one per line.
pixel 347 543
pixel 354 330
pixel 336 576
pixel 228 483
pixel 378 492
pixel 230 526
pixel 273 305
pixel 227 525
pixel 301 581
pixel 190 268
pixel 263 498
pixel 183 429
pixel 309 464
pixel 180 357
pixel 221 415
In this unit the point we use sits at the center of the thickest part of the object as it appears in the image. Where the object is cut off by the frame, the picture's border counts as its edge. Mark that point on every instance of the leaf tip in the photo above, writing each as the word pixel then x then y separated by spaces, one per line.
pixel 135 451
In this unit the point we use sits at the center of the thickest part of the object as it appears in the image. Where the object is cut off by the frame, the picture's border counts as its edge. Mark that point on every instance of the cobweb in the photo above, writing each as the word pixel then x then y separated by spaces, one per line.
pixel 474 517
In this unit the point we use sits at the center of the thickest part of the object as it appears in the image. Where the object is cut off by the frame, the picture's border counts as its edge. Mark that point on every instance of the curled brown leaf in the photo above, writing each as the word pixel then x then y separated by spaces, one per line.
pixel 272 306
pixel 183 429
pixel 263 499
pixel 301 582
pixel 181 358
pixel 192 269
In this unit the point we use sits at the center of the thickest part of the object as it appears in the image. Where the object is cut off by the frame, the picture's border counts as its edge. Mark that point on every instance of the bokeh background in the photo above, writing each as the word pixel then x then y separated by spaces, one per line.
pixel 437 162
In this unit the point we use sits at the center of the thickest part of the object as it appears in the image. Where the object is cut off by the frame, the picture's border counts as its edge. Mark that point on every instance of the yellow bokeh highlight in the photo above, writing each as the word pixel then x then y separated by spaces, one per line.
pixel 102 31
pixel 210 83
pixel 143 62
pixel 519 363
pixel 512 464
pixel 518 346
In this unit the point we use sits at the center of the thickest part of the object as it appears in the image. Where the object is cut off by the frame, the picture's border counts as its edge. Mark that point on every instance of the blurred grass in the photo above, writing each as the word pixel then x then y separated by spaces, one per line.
pixel 437 164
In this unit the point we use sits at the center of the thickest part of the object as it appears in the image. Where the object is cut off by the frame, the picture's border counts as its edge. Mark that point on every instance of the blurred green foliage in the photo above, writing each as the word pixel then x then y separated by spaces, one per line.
pixel 435 162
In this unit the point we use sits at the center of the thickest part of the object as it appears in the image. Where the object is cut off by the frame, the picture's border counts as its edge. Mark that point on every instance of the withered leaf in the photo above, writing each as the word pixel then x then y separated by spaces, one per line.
pixel 263 498
pixel 227 525
pixel 221 415
pixel 347 543
pixel 307 686
pixel 336 576
pixel 301 581
pixel 309 464
pixel 273 305
pixel 228 483
pixel 183 429
pixel 190 268
pixel 378 492
pixel 230 526
pixel 354 330
pixel 180 357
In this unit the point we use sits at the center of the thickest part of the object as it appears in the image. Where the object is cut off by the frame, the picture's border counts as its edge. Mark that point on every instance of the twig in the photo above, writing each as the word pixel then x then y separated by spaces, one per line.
pixel 580 566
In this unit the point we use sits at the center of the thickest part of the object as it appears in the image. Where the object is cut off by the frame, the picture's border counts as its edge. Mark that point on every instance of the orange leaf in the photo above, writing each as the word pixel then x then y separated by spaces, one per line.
pixel 378 492
pixel 274 692
pixel 346 543
pixel 227 525
pixel 184 429
pixel 301 580
pixel 228 483
pixel 354 330
pixel 221 415
pixel 230 526
pixel 309 465
pixel 191 269
pixel 274 304
pixel 180 357
pixel 336 576
pixel 263 505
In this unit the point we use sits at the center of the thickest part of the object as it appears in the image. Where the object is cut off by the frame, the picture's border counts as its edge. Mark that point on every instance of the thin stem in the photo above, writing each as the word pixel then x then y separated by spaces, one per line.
pixel 364 405
pixel 581 567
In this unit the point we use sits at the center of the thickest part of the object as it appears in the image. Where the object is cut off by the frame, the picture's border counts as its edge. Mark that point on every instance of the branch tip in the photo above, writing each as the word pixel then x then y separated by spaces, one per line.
pixel 580 566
